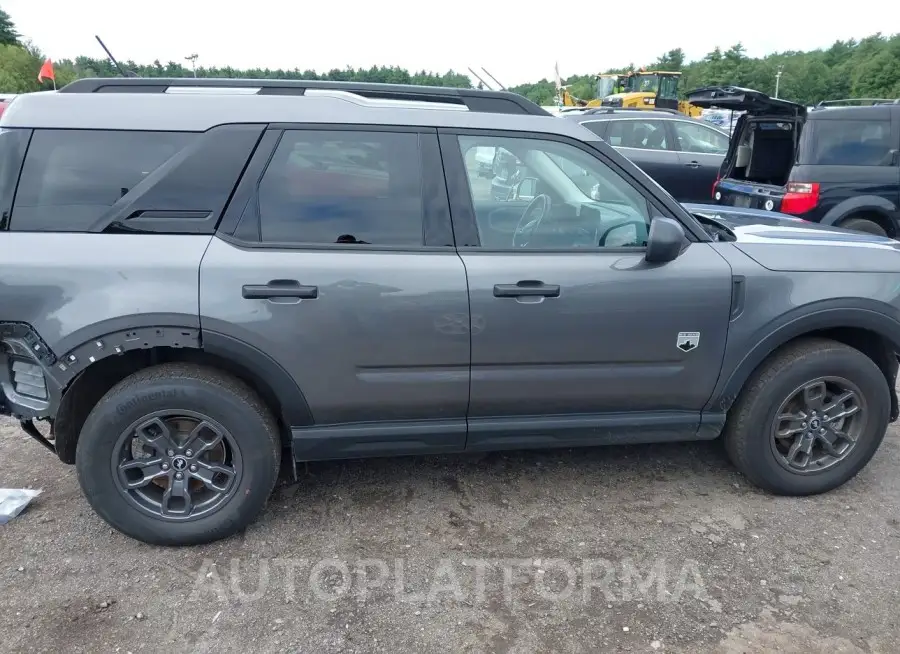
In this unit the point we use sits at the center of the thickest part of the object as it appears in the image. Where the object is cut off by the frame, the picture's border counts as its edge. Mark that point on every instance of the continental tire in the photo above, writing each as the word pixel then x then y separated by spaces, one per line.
pixel 179 454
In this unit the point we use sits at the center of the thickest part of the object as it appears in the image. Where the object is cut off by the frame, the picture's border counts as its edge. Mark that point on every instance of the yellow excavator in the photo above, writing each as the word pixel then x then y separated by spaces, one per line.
pixel 607 84
pixel 644 89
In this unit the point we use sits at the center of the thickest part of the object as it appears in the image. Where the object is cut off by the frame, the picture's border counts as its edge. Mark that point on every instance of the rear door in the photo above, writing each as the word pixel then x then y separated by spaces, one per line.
pixel 648 144
pixel 701 150
pixel 337 262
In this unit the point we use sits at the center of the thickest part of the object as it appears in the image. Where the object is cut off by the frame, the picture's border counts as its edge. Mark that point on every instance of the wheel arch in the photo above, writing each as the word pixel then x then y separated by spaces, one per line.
pixel 86 386
pixel 873 207
pixel 863 327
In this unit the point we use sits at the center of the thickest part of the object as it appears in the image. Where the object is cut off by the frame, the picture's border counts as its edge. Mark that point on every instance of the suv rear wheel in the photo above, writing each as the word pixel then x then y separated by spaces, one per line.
pixel 864 225
pixel 179 454
pixel 809 419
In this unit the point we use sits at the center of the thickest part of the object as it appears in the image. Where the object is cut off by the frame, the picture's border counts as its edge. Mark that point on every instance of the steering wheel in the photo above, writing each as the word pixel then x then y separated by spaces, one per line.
pixel 638 224
pixel 540 203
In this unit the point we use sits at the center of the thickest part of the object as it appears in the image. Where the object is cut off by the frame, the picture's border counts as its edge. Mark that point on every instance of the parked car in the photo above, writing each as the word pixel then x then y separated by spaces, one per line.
pixel 194 285
pixel 682 154
pixel 833 165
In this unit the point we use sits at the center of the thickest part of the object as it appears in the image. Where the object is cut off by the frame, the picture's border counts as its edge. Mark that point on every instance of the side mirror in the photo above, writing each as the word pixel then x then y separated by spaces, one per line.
pixel 666 241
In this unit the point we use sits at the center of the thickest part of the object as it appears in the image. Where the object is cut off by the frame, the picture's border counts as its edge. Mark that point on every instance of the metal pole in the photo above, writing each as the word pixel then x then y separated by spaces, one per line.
pixel 193 59
pixel 778 80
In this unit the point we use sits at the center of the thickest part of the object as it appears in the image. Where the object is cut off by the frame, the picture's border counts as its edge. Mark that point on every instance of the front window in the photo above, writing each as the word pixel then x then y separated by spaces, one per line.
pixel 647 83
pixel 559 197
pixel 606 86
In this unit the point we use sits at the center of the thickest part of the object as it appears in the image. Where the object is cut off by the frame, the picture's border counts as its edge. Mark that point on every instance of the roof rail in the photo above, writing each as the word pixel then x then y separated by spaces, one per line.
pixel 501 102
pixel 852 101
pixel 612 110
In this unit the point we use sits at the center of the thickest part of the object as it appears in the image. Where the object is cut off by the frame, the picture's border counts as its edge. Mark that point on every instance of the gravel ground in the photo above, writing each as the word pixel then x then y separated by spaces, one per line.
pixel 641 549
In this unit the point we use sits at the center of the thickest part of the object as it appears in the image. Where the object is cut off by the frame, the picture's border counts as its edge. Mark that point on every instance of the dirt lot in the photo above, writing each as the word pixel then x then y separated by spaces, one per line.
pixel 642 549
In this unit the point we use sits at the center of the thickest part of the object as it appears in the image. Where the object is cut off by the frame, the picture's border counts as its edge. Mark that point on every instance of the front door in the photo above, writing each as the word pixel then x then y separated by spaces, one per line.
pixel 573 333
pixel 343 271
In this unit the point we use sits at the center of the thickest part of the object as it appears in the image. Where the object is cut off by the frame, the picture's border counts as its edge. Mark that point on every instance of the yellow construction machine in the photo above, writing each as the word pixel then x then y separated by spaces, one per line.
pixel 644 89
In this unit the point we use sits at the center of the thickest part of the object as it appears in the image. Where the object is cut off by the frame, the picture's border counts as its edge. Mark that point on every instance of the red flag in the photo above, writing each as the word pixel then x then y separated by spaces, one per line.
pixel 46 71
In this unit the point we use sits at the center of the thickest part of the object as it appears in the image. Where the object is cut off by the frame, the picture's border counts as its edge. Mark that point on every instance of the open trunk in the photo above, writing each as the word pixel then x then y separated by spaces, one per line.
pixel 763 147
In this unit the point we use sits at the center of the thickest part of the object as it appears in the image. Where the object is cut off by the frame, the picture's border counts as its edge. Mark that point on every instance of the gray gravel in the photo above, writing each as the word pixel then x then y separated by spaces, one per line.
pixel 471 554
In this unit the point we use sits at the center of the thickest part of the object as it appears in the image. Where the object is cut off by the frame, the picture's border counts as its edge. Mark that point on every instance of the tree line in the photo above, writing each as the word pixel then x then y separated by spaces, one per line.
pixel 868 67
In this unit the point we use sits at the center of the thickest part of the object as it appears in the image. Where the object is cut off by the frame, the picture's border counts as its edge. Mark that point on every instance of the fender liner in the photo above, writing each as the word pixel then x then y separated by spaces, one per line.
pixel 861 204
pixel 837 313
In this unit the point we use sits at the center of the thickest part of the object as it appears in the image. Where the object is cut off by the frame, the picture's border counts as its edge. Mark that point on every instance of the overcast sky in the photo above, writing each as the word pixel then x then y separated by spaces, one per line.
pixel 516 41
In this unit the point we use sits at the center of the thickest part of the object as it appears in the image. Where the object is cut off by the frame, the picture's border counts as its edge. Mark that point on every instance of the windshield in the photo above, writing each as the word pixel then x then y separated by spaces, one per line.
pixel 646 83
pixel 605 86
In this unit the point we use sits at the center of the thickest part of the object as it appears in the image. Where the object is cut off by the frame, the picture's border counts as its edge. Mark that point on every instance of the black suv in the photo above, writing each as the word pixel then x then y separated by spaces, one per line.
pixel 836 165
pixel 682 154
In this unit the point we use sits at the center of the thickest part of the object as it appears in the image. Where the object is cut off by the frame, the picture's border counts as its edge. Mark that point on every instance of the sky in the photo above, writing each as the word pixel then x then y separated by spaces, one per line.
pixel 516 42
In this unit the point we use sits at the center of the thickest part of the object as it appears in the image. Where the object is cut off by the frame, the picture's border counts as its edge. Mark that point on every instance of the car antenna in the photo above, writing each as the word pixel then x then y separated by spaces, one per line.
pixel 503 88
pixel 122 71
pixel 478 77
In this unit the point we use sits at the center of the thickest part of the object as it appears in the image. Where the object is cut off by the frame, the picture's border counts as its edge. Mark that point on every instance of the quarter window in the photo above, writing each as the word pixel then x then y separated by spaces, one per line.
pixel 641 134
pixel 556 196
pixel 345 187
pixel 846 143
pixel 70 178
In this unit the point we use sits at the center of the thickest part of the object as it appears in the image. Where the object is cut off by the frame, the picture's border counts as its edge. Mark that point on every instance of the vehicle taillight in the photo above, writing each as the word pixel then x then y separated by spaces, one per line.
pixel 800 197
pixel 715 184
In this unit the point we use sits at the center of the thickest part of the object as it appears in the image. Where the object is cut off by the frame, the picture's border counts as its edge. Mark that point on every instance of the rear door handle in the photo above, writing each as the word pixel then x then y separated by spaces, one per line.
pixel 526 288
pixel 692 164
pixel 279 288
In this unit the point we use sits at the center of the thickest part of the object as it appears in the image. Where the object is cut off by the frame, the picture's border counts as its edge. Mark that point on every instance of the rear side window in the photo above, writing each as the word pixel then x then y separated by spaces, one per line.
pixel 70 178
pixel 640 134
pixel 846 143
pixel 347 187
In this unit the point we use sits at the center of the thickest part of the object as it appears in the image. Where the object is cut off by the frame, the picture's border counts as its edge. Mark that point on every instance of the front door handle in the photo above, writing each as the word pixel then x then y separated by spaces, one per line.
pixel 692 164
pixel 527 288
pixel 279 288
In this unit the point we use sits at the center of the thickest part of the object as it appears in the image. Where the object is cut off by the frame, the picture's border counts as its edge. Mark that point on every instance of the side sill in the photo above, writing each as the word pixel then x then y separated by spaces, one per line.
pixel 363 440
pixel 587 430
pixel 360 440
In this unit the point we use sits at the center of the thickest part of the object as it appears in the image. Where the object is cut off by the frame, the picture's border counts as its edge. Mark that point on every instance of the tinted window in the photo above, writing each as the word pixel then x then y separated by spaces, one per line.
pixel 699 138
pixel 558 196
pixel 596 126
pixel 343 187
pixel 71 177
pixel 846 143
pixel 642 134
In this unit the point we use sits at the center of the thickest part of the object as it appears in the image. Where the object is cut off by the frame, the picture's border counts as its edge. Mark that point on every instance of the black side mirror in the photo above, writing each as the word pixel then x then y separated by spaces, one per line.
pixel 666 240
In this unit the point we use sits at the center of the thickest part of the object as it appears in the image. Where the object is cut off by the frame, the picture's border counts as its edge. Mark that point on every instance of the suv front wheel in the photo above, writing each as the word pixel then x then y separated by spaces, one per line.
pixel 179 454
pixel 809 419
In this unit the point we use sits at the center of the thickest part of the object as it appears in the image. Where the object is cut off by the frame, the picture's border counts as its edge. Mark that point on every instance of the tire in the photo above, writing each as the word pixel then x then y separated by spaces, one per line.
pixel 864 225
pixel 223 410
pixel 749 438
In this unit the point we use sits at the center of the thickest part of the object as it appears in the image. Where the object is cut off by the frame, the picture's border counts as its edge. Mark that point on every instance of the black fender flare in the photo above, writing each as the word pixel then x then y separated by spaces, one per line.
pixel 294 407
pixel 855 313
pixel 862 204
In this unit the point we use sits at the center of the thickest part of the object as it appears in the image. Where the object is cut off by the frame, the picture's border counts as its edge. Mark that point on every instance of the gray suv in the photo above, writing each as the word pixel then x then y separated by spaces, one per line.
pixel 200 277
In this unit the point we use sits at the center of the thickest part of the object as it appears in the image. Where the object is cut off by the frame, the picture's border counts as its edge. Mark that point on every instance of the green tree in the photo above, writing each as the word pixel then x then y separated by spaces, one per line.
pixel 8 33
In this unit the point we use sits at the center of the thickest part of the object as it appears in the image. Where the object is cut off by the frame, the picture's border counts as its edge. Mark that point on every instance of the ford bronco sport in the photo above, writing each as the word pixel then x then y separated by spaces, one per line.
pixel 202 276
